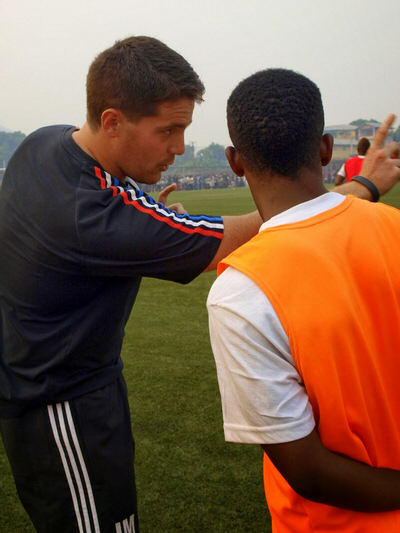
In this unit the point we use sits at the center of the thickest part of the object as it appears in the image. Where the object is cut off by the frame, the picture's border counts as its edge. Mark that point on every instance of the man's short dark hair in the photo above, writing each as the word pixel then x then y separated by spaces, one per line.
pixel 135 75
pixel 276 121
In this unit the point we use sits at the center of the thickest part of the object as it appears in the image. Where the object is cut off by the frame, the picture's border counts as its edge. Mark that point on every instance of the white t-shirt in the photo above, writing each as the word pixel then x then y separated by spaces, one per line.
pixel 263 398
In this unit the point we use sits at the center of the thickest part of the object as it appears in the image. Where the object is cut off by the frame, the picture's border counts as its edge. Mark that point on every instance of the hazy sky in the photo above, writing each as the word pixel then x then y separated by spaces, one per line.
pixel 350 48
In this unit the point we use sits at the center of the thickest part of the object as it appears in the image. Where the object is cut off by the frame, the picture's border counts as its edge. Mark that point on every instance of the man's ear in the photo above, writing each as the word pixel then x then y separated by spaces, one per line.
pixel 326 149
pixel 234 161
pixel 110 121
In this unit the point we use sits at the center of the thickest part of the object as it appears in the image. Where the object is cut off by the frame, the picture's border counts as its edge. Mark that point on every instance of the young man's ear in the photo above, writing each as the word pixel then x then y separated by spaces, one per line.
pixel 234 161
pixel 326 149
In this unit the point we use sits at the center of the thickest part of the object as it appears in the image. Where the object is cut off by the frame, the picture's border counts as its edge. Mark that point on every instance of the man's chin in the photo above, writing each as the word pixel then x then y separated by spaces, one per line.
pixel 149 179
pixel 155 178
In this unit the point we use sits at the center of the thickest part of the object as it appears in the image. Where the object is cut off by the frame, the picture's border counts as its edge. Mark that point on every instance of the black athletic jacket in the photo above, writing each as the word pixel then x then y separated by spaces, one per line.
pixel 74 244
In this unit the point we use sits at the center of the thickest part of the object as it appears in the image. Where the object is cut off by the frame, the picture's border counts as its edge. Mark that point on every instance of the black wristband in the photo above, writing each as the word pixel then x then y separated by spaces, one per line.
pixel 370 186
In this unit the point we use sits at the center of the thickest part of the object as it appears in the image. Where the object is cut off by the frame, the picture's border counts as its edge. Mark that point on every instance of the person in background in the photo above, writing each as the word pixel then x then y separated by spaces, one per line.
pixel 304 319
pixel 352 166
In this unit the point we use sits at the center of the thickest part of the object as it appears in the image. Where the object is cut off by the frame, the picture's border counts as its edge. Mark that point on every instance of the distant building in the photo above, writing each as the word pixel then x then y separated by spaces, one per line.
pixel 346 137
pixel 342 131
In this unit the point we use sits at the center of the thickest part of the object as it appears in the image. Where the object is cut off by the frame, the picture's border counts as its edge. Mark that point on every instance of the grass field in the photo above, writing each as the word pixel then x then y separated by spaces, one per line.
pixel 189 480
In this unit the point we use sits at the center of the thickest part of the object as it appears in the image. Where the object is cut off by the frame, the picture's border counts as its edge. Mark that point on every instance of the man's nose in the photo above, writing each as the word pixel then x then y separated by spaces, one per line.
pixel 178 147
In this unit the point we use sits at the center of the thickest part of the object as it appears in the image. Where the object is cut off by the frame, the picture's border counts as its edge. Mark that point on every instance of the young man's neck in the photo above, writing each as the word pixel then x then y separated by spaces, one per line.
pixel 275 194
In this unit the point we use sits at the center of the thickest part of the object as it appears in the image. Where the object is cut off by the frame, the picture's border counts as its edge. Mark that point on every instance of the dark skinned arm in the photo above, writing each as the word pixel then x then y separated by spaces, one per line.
pixel 322 476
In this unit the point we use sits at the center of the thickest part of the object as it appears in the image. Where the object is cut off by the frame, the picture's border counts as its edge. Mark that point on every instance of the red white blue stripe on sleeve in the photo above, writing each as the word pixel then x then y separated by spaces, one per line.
pixel 211 226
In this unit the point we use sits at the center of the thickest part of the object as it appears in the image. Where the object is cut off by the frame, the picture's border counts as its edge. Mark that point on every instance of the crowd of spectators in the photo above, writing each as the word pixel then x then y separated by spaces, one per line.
pixel 220 180
pixel 196 182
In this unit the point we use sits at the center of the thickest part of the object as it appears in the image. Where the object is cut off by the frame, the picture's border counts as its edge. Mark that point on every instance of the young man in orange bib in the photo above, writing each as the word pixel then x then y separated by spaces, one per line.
pixel 305 321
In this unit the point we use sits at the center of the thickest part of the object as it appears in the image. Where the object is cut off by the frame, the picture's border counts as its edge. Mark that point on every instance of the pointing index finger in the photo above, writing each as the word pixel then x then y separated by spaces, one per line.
pixel 382 132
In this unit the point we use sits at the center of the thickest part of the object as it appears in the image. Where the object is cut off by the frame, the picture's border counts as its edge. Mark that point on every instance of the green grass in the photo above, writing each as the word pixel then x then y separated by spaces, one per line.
pixel 189 480
pixel 392 197
pixel 215 201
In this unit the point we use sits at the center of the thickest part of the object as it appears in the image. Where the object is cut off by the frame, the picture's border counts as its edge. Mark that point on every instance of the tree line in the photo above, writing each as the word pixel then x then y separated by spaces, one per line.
pixel 211 157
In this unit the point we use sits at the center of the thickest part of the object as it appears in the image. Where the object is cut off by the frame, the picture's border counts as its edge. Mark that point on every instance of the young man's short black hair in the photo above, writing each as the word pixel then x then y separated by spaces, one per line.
pixel 276 121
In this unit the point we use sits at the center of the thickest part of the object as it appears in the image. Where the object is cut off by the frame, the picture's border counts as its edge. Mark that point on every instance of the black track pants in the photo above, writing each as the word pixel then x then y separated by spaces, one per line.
pixel 73 463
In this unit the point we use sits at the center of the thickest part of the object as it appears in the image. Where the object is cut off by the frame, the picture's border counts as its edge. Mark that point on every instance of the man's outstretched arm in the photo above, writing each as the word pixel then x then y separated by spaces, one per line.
pixel 237 230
